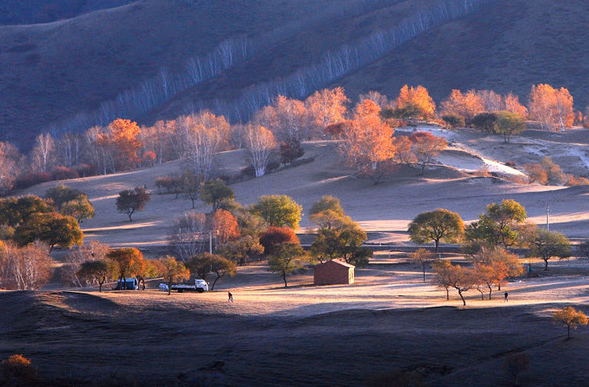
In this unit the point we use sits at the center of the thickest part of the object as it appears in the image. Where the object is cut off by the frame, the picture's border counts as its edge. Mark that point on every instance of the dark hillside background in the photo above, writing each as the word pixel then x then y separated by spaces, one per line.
pixel 14 12
pixel 59 75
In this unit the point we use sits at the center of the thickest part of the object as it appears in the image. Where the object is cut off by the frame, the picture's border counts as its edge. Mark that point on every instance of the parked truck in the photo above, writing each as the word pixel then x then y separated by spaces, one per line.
pixel 199 286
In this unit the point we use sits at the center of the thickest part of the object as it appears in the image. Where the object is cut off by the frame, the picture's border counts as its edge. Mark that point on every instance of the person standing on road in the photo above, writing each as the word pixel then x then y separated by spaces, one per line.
pixel 506 297
pixel 230 299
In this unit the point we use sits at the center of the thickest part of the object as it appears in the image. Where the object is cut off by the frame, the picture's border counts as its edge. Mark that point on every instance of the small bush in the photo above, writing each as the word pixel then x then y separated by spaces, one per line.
pixel 454 120
pixel 64 173
pixel 30 179
pixel 85 170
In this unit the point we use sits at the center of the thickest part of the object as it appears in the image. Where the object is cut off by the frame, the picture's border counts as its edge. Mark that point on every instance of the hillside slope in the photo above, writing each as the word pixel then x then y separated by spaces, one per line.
pixel 60 75
pixel 508 46
pixel 388 206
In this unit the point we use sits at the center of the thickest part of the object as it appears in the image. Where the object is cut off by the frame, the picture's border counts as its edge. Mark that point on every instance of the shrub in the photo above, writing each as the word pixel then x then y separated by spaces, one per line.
pixel 30 179
pixel 85 170
pixel 454 120
pixel 64 173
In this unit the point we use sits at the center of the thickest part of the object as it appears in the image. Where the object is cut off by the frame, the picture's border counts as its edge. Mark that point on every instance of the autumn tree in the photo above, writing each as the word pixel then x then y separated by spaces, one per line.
pixel 128 262
pixel 570 318
pixel 416 101
pixel 275 236
pixel 366 140
pixel 465 105
pixel 79 209
pixel 51 228
pixel 204 135
pixel 425 146
pixel 173 271
pixel 493 264
pixel 438 225
pixel 291 120
pixel 326 107
pixel 24 268
pixel 14 211
pixel 94 272
pixel 215 193
pixel 224 225
pixel 122 138
pixel 278 211
pixel 133 200
pixel 327 203
pixel 549 244
pixel 285 259
pixel 454 276
pixel 17 370
pixel 422 257
pixel 259 142
pixel 553 108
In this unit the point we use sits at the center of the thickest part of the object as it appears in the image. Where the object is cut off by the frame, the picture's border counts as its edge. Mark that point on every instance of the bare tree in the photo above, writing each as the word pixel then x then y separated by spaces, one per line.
pixel 43 153
pixel 188 236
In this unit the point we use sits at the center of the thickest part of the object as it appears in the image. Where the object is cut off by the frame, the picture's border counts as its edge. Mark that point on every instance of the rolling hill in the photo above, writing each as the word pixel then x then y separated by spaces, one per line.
pixel 156 59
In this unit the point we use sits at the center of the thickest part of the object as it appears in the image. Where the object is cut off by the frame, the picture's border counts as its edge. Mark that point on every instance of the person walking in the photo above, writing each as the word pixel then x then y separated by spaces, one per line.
pixel 230 299
pixel 506 297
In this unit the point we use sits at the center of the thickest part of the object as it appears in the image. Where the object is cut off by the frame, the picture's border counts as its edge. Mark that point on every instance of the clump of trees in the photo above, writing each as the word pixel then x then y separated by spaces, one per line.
pixel 486 245
pixel 338 236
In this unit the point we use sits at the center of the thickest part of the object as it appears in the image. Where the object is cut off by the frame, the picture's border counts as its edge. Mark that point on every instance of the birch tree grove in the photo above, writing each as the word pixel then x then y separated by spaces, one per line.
pixel 551 107
pixel 260 142
pixel 26 268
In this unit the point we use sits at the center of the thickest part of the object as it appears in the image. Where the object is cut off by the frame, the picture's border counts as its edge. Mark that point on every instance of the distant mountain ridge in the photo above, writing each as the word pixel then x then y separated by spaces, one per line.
pixel 60 75
pixel 16 12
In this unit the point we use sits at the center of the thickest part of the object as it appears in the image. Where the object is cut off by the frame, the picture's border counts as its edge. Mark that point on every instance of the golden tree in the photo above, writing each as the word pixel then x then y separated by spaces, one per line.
pixel 326 107
pixel 418 99
pixel 551 107
pixel 465 105
pixel 569 318
pixel 367 139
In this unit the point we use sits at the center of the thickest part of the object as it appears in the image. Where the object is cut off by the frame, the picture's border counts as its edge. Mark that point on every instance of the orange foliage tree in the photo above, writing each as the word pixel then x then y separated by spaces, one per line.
pixel 416 99
pixel 326 107
pixel 551 107
pixel 121 138
pixel 367 139
pixel 224 225
pixel 465 105
pixel 425 146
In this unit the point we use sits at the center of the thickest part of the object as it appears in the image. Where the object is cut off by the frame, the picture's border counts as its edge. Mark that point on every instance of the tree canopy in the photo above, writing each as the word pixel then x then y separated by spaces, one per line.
pixel 438 225
pixel 133 200
pixel 278 211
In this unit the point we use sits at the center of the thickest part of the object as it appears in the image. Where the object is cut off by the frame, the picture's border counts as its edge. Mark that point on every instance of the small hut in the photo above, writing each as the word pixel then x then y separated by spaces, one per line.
pixel 333 272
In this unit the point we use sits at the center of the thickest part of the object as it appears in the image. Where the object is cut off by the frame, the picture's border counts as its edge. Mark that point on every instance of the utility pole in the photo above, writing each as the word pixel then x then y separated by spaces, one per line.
pixel 547 218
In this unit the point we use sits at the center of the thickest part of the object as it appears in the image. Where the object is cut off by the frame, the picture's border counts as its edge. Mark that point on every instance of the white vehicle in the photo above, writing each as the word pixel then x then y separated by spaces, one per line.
pixel 199 286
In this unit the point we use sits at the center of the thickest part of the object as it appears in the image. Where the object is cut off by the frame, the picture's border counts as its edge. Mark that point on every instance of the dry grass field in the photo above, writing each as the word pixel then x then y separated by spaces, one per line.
pixel 388 321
